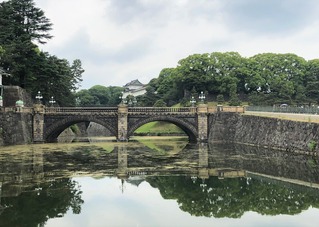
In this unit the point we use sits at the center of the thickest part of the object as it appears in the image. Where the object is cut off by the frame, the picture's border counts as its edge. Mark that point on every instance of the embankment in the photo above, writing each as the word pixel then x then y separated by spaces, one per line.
pixel 263 131
pixel 15 128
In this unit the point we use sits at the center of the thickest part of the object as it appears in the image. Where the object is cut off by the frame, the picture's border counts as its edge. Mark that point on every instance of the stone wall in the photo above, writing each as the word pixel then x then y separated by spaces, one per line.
pixel 95 129
pixel 15 128
pixel 11 94
pixel 263 131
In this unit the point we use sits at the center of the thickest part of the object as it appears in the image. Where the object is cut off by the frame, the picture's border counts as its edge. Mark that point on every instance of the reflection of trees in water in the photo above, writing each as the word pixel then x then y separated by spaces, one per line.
pixel 233 197
pixel 37 205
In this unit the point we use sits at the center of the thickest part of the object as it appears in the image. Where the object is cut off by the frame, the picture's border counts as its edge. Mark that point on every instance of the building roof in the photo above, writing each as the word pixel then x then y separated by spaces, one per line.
pixel 134 83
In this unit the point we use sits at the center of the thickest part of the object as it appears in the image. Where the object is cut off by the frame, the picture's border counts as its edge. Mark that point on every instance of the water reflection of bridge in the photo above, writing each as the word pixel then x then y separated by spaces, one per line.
pixel 37 166
pixel 202 170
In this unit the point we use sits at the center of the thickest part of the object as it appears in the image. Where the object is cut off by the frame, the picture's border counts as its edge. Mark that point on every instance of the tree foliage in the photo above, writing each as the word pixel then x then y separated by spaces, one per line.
pixel 99 95
pixel 264 79
pixel 23 26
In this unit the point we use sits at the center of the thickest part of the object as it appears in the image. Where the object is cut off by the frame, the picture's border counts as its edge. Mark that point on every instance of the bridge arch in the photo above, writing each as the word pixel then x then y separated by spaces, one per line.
pixel 188 128
pixel 55 129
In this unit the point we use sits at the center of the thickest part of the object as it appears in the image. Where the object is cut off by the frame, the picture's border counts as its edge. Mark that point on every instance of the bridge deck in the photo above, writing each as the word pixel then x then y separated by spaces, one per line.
pixel 131 110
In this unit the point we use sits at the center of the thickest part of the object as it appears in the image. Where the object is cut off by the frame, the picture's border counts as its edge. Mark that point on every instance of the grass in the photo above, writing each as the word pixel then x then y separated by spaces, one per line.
pixel 159 127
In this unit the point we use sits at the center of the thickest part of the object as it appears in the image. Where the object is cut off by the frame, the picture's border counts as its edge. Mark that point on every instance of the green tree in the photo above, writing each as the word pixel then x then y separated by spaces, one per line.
pixel 100 92
pixel 278 75
pixel 54 77
pixel 220 99
pixel 225 71
pixel 114 93
pixel 312 82
pixel 99 95
pixel 22 19
pixel 21 23
pixel 85 98
pixel 160 103
pixel 166 86
pixel 217 73
pixel 193 71
pixel 76 72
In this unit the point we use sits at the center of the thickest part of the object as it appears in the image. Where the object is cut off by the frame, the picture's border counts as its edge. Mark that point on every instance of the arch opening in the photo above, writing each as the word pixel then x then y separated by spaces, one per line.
pixel 184 128
pixel 82 130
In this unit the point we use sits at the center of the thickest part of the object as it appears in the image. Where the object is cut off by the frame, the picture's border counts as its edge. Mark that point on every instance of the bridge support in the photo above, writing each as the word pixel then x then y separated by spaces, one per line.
pixel 122 123
pixel 202 121
pixel 38 123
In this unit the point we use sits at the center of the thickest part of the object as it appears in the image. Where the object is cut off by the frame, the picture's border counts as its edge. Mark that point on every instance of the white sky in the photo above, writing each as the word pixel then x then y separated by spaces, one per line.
pixel 122 40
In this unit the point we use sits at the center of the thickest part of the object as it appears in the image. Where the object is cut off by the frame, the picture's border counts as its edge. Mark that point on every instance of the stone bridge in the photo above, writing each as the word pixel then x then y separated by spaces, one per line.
pixel 121 121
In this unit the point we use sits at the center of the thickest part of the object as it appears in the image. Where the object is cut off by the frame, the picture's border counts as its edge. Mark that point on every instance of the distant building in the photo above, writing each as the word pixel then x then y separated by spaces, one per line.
pixel 134 88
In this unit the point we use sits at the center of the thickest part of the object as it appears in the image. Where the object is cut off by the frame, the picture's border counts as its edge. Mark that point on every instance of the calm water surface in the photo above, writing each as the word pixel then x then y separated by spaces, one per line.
pixel 156 183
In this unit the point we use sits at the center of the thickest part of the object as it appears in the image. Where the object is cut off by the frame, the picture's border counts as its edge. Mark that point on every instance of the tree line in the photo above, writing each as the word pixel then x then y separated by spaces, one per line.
pixel 22 27
pixel 264 79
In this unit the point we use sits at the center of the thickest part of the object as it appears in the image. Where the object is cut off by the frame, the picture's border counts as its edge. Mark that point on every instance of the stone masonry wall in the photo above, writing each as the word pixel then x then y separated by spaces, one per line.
pixel 263 131
pixel 15 128
pixel 11 94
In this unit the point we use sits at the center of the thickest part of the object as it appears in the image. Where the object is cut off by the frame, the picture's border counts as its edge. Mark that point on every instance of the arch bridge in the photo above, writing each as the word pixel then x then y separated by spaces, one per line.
pixel 121 121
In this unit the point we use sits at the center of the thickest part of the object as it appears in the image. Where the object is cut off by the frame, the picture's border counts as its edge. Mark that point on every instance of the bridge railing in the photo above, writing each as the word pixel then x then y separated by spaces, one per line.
pixel 81 109
pixel 17 109
pixel 285 109
pixel 162 109
pixel 233 109
pixel 132 110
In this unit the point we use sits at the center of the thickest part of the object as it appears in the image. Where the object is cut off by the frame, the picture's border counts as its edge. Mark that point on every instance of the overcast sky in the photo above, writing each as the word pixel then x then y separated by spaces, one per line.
pixel 122 40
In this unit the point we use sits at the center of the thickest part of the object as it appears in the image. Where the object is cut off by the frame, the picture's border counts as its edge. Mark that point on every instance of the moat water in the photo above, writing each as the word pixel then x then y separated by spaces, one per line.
pixel 156 183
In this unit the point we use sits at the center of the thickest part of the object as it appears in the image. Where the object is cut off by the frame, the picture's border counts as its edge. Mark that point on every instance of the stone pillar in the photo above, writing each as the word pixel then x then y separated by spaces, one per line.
pixel 202 121
pixel 219 108
pixel 122 123
pixel 38 123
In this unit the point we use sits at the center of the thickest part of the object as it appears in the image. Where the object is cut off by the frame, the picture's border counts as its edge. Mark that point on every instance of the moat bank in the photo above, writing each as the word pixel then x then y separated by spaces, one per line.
pixel 15 128
pixel 263 131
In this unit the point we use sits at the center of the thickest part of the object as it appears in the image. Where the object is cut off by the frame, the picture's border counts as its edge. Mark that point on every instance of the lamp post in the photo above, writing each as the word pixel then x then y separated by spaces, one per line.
pixel 121 97
pixel 202 96
pixel 193 101
pixel 38 97
pixel 52 101
pixel 134 101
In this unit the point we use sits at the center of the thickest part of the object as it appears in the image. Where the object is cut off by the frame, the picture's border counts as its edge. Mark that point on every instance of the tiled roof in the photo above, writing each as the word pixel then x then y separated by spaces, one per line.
pixel 134 82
